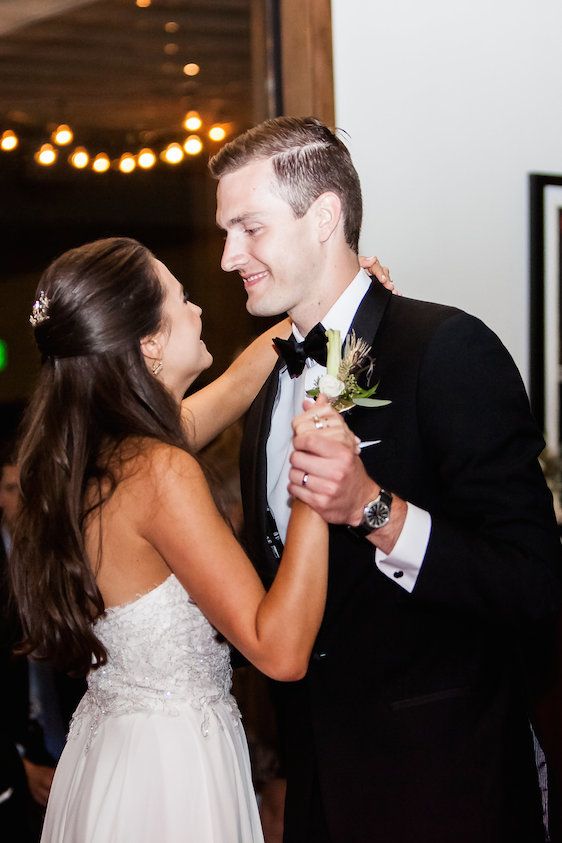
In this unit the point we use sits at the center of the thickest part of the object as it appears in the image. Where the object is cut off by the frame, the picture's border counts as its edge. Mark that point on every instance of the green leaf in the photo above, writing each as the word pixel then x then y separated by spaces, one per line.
pixel 366 393
pixel 313 393
pixel 371 402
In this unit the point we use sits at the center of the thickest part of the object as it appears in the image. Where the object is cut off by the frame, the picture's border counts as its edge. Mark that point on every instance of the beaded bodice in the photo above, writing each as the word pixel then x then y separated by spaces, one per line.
pixel 162 654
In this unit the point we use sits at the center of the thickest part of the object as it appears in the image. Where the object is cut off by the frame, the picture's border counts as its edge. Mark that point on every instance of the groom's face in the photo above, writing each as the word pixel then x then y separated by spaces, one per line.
pixel 272 250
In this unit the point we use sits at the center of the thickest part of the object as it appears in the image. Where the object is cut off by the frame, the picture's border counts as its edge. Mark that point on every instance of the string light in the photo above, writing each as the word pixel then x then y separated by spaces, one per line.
pixel 191 69
pixel 192 121
pixel 171 26
pixel 143 4
pixel 193 145
pixel 63 135
pixel 79 158
pixel 217 133
pixel 101 163
pixel 146 159
pixel 46 155
pixel 9 140
pixel 127 163
pixel 173 154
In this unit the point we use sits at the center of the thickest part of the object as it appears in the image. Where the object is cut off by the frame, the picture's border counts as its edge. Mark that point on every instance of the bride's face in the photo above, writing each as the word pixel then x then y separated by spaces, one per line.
pixel 178 344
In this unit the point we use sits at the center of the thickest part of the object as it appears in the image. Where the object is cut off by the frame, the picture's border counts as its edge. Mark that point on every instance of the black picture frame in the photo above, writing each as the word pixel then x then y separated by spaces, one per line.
pixel 540 291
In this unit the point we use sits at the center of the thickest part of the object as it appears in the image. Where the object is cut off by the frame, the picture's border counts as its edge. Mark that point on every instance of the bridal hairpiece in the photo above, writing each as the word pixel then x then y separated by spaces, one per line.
pixel 40 310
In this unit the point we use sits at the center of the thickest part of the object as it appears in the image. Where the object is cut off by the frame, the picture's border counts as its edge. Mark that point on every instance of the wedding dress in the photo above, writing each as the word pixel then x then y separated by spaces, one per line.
pixel 156 752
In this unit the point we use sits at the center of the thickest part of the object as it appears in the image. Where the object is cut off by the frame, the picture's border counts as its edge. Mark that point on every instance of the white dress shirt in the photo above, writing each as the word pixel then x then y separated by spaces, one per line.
pixel 405 561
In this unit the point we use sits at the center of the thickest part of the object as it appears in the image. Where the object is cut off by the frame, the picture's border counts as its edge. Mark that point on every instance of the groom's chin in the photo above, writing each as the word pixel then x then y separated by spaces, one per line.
pixel 258 308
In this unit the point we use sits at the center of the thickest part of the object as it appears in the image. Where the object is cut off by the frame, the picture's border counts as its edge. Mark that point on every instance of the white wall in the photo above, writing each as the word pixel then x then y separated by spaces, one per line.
pixel 450 104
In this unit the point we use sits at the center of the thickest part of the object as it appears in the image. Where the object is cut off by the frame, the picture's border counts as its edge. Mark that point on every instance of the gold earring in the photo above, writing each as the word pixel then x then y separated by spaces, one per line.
pixel 157 367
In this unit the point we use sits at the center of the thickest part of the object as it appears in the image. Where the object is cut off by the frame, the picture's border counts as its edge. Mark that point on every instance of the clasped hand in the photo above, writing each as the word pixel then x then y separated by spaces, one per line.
pixel 326 471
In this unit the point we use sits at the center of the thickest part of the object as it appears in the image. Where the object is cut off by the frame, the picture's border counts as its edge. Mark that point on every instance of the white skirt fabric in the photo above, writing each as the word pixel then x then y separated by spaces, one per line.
pixel 148 777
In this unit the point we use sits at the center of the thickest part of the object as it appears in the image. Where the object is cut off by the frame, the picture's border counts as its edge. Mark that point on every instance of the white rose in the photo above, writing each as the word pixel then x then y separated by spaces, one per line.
pixel 330 386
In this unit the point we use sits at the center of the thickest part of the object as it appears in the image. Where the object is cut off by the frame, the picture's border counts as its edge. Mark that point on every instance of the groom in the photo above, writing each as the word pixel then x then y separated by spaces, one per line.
pixel 411 725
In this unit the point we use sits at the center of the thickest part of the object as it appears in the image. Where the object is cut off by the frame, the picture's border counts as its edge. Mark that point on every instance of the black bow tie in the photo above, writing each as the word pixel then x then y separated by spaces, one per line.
pixel 295 353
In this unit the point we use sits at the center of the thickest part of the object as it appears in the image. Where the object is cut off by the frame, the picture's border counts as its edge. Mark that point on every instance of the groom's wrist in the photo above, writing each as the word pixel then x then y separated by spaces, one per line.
pixel 386 537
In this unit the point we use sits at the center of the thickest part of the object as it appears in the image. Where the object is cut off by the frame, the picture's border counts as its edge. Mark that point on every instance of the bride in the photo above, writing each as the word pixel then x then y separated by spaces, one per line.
pixel 124 568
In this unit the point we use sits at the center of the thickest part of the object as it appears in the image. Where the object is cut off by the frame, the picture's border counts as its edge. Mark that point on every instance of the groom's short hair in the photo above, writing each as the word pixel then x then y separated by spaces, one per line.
pixel 308 159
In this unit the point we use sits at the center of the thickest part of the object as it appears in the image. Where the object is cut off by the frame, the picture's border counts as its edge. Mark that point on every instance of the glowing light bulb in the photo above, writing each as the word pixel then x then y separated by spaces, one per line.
pixel 46 155
pixel 173 154
pixel 217 133
pixel 146 159
pixel 9 140
pixel 127 163
pixel 193 145
pixel 171 26
pixel 101 163
pixel 63 135
pixel 191 69
pixel 192 121
pixel 143 4
pixel 79 158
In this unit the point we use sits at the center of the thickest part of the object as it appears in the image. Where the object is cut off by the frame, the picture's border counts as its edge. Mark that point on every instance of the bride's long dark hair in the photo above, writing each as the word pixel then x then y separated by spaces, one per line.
pixel 94 392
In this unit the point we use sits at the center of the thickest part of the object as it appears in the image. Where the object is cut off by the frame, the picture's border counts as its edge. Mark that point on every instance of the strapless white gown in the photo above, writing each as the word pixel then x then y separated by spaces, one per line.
pixel 156 752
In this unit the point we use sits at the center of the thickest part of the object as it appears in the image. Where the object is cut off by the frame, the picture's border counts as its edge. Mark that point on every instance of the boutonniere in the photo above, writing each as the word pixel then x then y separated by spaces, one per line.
pixel 339 384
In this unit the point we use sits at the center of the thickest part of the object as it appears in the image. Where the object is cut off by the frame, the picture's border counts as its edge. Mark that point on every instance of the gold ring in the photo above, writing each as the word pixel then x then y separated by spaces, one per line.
pixel 304 480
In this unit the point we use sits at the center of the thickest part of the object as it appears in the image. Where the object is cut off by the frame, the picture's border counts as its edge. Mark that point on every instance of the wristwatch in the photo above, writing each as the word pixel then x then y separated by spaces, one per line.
pixel 375 515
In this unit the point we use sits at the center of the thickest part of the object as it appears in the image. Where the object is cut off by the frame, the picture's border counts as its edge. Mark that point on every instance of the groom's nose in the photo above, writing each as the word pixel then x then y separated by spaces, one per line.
pixel 233 256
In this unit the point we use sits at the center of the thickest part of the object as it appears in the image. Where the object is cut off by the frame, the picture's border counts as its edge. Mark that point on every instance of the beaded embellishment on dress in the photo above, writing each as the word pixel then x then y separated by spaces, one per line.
pixel 163 654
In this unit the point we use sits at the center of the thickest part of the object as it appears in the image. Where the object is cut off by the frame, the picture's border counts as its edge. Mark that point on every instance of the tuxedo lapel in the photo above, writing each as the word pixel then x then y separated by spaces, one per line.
pixel 366 323
pixel 370 312
pixel 253 475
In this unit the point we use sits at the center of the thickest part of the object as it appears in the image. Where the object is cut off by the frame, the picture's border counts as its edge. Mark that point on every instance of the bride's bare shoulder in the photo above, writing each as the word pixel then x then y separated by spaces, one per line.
pixel 148 464
pixel 149 457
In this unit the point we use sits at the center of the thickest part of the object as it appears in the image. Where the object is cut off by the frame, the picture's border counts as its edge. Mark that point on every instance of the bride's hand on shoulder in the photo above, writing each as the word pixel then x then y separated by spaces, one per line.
pixel 381 273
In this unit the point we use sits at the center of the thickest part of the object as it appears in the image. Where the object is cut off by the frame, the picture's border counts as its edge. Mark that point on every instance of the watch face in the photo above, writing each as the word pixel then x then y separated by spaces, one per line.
pixel 377 515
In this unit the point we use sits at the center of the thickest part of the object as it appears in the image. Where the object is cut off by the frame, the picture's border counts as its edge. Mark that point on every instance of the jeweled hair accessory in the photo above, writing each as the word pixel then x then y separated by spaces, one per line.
pixel 40 310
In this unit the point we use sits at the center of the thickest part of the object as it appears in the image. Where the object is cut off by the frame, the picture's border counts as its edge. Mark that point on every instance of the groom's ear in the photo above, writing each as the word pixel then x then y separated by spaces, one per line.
pixel 328 214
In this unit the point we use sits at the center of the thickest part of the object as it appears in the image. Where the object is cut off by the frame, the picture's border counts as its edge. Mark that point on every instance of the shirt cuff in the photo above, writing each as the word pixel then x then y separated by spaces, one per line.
pixel 403 564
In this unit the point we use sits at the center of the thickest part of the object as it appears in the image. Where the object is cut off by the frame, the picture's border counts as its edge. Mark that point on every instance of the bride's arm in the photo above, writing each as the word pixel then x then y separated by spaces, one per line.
pixel 212 409
pixel 274 630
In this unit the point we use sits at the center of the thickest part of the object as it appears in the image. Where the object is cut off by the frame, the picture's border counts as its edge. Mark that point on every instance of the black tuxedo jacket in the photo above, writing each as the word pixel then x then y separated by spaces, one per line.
pixel 411 725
